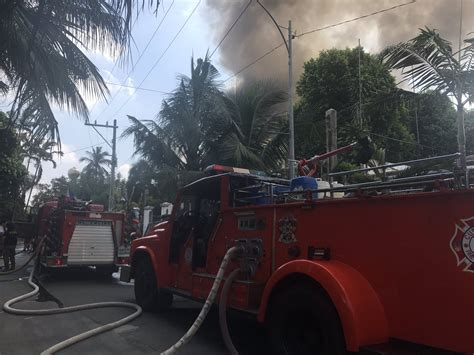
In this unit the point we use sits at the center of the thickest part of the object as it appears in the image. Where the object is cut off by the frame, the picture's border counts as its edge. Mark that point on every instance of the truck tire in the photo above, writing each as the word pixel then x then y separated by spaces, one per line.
pixel 147 293
pixel 302 320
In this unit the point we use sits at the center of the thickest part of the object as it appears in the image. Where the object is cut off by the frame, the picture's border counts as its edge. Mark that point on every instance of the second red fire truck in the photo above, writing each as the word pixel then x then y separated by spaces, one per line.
pixel 81 234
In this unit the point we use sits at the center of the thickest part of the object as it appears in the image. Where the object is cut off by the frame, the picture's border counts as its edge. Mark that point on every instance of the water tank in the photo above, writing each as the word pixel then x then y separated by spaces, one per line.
pixel 303 183
pixel 339 194
pixel 323 185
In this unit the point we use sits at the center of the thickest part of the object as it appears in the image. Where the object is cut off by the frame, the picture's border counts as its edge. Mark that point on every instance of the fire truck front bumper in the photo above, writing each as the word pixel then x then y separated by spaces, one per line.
pixel 125 273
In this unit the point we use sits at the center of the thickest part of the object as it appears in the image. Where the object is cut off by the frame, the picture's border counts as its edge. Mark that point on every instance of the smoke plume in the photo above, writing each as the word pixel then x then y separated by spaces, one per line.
pixel 256 34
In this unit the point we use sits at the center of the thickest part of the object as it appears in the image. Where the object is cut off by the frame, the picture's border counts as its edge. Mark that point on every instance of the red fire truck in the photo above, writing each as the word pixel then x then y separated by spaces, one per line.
pixel 81 234
pixel 379 265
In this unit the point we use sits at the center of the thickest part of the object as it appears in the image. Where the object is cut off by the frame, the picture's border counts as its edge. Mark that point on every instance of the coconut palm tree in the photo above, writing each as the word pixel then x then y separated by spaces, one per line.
pixel 429 62
pixel 256 135
pixel 41 54
pixel 179 136
pixel 97 163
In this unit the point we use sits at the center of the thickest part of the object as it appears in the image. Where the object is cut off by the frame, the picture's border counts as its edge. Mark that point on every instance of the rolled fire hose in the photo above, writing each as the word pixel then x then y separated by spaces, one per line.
pixel 7 307
pixel 223 312
pixel 207 306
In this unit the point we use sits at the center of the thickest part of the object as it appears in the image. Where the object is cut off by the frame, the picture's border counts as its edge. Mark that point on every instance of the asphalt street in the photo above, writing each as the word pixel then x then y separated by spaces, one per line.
pixel 149 334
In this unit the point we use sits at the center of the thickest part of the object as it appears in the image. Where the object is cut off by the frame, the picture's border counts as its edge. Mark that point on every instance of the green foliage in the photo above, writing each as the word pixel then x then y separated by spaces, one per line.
pixel 97 163
pixel 428 61
pixel 12 171
pixel 199 125
pixel 332 81
pixel 436 123
pixel 256 134
pixel 41 60
pixel 179 137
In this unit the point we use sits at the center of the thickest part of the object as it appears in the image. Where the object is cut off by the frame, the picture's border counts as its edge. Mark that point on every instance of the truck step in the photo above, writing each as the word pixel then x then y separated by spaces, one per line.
pixel 397 347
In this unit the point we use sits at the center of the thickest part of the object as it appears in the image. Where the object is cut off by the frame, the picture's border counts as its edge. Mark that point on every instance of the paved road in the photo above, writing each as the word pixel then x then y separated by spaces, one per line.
pixel 149 334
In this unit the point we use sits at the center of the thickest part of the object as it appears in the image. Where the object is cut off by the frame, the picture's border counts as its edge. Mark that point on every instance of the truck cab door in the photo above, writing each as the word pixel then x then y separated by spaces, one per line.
pixel 190 236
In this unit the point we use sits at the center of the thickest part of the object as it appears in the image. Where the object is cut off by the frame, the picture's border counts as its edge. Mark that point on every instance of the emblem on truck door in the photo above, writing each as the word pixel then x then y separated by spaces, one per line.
pixel 287 228
pixel 462 244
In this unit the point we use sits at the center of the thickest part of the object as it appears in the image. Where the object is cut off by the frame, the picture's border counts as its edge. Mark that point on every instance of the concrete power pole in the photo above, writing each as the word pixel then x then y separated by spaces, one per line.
pixel 113 167
pixel 331 137
pixel 289 48
pixel 114 156
pixel 291 148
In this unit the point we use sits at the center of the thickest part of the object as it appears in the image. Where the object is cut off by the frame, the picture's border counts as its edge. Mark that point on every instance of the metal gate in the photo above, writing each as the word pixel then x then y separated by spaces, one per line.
pixel 92 243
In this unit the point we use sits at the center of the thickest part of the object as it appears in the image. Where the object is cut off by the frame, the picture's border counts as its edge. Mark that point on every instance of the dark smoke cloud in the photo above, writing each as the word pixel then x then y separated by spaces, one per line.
pixel 255 33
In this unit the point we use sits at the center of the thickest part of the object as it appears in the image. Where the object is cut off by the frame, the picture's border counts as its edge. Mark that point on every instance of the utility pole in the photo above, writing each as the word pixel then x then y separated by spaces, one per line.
pixel 331 137
pixel 114 155
pixel 289 48
pixel 360 91
pixel 291 157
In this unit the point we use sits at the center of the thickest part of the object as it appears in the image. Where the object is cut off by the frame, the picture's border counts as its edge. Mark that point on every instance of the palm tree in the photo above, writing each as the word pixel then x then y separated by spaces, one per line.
pixel 41 57
pixel 97 162
pixel 257 134
pixel 179 137
pixel 429 62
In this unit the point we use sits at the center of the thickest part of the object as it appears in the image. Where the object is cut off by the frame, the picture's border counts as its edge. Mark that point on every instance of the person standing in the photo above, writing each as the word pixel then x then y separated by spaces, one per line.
pixel 9 245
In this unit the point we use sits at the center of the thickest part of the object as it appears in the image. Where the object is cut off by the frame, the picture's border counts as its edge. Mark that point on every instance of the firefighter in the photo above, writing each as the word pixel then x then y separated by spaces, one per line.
pixel 9 245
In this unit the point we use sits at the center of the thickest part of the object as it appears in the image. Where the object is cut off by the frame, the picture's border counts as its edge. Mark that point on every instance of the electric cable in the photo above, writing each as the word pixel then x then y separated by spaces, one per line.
pixel 138 60
pixel 254 62
pixel 355 19
pixel 20 268
pixel 78 150
pixel 159 58
pixel 230 28
pixel 137 88
pixel 317 30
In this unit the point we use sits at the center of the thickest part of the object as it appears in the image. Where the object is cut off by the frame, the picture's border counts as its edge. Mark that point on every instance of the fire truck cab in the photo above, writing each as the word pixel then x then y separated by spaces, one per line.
pixel 328 270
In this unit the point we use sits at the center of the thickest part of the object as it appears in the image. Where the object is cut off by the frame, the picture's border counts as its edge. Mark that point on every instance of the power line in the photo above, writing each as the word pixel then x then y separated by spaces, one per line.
pixel 406 142
pixel 138 88
pixel 253 62
pixel 355 19
pixel 317 30
pixel 160 57
pixel 231 27
pixel 111 72
pixel 139 58
pixel 77 150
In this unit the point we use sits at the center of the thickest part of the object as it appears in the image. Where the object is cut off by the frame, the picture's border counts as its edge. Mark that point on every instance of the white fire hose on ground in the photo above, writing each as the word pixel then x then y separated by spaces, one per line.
pixel 7 307
pixel 231 253
pixel 77 338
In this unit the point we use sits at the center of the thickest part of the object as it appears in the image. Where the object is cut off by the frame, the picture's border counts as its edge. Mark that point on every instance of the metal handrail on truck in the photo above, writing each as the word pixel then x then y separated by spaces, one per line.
pixel 266 192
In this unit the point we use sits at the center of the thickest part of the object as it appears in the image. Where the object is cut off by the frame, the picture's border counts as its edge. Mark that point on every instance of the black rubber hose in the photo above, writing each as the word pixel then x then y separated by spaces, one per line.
pixel 34 255
pixel 223 312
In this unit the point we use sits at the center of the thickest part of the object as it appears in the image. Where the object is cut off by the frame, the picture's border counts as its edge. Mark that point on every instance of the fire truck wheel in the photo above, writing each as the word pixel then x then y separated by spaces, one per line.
pixel 147 294
pixel 302 320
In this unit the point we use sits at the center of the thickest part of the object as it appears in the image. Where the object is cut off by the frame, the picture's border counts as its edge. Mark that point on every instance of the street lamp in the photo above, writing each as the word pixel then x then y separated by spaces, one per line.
pixel 288 45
